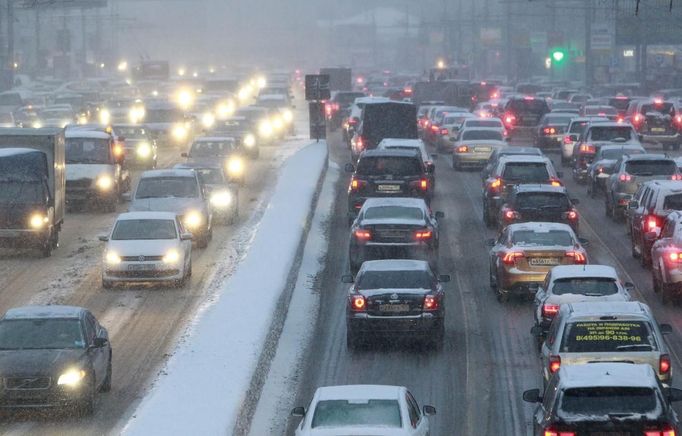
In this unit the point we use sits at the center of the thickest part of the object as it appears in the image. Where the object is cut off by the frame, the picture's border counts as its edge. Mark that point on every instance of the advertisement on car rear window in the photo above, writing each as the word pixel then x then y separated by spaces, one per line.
pixel 607 336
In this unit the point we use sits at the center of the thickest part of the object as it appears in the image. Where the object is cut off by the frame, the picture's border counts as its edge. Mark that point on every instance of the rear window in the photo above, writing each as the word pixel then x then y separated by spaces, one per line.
pixel 396 166
pixel 578 126
pixel 619 103
pixel 541 200
pixel 590 286
pixel 529 238
pixel 395 280
pixel 526 171
pixel 617 153
pixel 371 413
pixel 558 120
pixel 595 110
pixel 663 167
pixel 611 133
pixel 664 108
pixel 347 98
pixel 481 135
pixel 607 336
pixel 394 212
pixel 673 202
pixel 529 106
pixel 605 401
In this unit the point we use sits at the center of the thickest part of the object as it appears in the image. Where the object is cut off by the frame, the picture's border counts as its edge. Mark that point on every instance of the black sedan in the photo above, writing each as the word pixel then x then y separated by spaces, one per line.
pixel 53 356
pixel 395 298
pixel 394 228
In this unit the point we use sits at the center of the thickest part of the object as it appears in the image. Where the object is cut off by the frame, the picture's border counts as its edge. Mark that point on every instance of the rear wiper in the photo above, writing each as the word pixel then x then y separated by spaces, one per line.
pixel 634 346
pixel 592 294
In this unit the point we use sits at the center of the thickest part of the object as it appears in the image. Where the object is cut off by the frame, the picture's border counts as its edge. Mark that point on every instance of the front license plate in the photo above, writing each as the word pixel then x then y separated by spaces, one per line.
pixel 543 261
pixel 388 188
pixel 142 267
pixel 394 308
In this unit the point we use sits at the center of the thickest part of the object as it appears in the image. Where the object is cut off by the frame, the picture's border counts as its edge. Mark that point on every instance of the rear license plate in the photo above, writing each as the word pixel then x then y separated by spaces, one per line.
pixel 388 188
pixel 543 261
pixel 483 149
pixel 610 433
pixel 394 308
pixel 658 129
pixel 142 267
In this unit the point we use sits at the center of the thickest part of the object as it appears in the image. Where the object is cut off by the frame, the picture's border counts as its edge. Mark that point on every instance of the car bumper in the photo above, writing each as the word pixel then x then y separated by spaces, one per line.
pixel 621 199
pixel 28 235
pixel 53 396
pixel 414 325
pixel 143 272
pixel 550 141
pixel 471 159
pixel 517 281
pixel 90 194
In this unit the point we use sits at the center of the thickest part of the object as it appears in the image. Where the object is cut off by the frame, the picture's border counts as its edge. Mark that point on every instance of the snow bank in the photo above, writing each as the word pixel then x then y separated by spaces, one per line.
pixel 206 381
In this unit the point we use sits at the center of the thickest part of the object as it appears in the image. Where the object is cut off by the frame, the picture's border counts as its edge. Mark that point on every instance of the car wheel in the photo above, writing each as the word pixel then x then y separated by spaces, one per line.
pixel 106 385
pixel 47 246
pixel 502 297
pixel 202 242
pixel 492 279
pixel 655 284
pixel 644 259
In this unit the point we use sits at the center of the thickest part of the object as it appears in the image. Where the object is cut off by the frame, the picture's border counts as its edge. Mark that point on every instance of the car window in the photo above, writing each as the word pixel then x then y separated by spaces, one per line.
pixel 412 411
pixel 90 330
pixel 143 229
pixel 541 200
pixel 405 279
pixel 651 167
pixel 540 238
pixel 167 187
pixel 590 286
pixel 370 413
pixel 603 401
pixel 668 230
pixel 607 336
pixel 210 176
pixel 396 166
pixel 526 171
pixel 610 133
pixel 212 148
pixel 394 212
pixel 481 135
pixel 616 153
pixel 41 333
pixel 673 202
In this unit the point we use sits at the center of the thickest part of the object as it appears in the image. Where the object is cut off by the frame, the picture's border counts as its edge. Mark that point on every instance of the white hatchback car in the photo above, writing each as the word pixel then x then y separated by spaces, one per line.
pixel 147 247
pixel 363 409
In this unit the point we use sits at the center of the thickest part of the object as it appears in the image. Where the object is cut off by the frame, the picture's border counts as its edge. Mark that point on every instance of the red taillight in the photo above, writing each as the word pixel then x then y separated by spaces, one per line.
pixel 352 121
pixel 423 184
pixel 620 119
pixel 510 214
pixel 637 119
pixel 676 177
pixel 358 303
pixel 664 364
pixel 675 256
pixel 357 184
pixel 509 257
pixel 625 177
pixel 363 235
pixel 430 302
pixel 678 120
pixel 509 119
pixel 577 256
pixel 555 182
pixel 651 223
pixel 360 143
pixel 495 184
pixel 549 130
pixel 568 140
pixel 554 364
pixel 572 215
pixel 668 431
pixel 422 235
pixel 444 131
pixel 462 149
pixel 587 148
pixel 553 432
pixel 549 310
pixel 434 128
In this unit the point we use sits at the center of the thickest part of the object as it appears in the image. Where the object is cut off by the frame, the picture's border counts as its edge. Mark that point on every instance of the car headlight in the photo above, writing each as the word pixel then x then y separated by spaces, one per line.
pixel 82 119
pixel 144 150
pixel 105 182
pixel 221 199
pixel 277 123
pixel 172 256
pixel 136 114
pixel 208 120
pixel 287 115
pixel 265 129
pixel 37 124
pixel 249 140
pixel 38 220
pixel 179 132
pixel 112 258
pixel 193 219
pixel 225 110
pixel 104 116
pixel 71 378
pixel 235 166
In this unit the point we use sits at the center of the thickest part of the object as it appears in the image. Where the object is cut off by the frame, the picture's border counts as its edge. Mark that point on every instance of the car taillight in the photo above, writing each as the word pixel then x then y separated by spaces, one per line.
pixel 357 184
pixel 509 257
pixel 363 235
pixel 555 182
pixel 444 131
pixel 577 256
pixel 358 303
pixel 462 149
pixel 495 184
pixel 435 128
pixel 637 120
pixel 572 215
pixel 509 119
pixel 651 223
pixel 423 234
pixel 549 130
pixel 549 310
pixel 352 121
pixel 664 364
pixel 625 177
pixel 554 432
pixel 554 364
pixel 675 256
pixel 430 302
pixel 568 140
pixel 510 214
pixel 667 431
pixel 676 177
pixel 587 148
pixel 620 119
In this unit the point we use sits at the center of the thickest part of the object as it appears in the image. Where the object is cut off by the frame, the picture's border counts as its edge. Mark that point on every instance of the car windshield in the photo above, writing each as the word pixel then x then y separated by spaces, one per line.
pixel 600 110
pixel 17 192
pixel 555 120
pixel 536 106
pixel 617 153
pixel 607 401
pixel 619 103
pixel 345 413
pixel 132 132
pixel 590 286
pixel 41 334
pixel 87 151
pixel 210 176
pixel 211 148
pixel 528 172
pixel 163 116
pixel 663 167
pixel 578 126
pixel 391 279
pixel 143 229
pixel 160 187
pixel 456 120
pixel 396 166
pixel 541 200
pixel 607 336
pixel 662 108
pixel 560 238
pixel 394 212
pixel 482 135
pixel 611 133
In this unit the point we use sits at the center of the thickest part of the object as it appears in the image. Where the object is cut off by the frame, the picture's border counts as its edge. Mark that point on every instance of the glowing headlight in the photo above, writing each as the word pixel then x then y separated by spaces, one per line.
pixel 64 123
pixel 185 98
pixel 71 377
pixel 261 82
pixel 171 256
pixel 179 133
pixel 225 110
pixel 208 120
pixel 277 123
pixel 193 220
pixel 221 199
pixel 265 128
pixel 235 166
pixel 136 114
pixel 144 150
pixel 104 116
pixel 249 140
pixel 112 258
pixel 37 125
pixel 287 115
pixel 38 220
pixel 82 119
pixel 105 182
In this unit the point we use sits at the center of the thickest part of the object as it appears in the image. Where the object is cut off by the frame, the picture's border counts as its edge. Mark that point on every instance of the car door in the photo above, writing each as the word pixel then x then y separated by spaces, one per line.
pixel 642 196
pixel 186 245
pixel 419 426
pixel 98 355
pixel 659 247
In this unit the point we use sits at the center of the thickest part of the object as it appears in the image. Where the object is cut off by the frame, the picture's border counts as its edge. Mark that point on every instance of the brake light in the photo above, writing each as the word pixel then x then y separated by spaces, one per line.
pixel 358 303
pixel 510 214
pixel 554 364
pixel 587 148
pixel 625 177
pixel 549 310
pixel 434 128
pixel 509 257
pixel 424 184
pixel 572 215
pixel 352 121
pixel 496 184
pixel 363 235
pixel 357 184
pixel 552 432
pixel 549 130
pixel 676 177
pixel 668 431
pixel 555 182
pixel 651 223
pixel 578 257
pixel 462 149
pixel 620 119
pixel 568 140
pixel 664 364
pixel 637 119
pixel 118 150
pixel 444 131
pixel 509 119
pixel 360 143
pixel 421 235
pixel 430 302
pixel 678 119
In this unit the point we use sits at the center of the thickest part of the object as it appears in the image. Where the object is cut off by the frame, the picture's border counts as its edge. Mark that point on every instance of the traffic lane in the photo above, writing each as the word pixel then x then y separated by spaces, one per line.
pixel 488 356
pixel 144 323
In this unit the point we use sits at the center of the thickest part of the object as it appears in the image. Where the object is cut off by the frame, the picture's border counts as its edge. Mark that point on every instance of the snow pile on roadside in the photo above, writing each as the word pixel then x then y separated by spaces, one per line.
pixel 207 378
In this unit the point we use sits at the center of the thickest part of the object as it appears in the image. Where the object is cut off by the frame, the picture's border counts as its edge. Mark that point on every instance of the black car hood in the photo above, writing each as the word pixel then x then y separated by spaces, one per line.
pixel 38 362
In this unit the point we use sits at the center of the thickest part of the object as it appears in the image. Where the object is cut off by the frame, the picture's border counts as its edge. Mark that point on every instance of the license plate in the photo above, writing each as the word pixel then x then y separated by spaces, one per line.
pixel 658 129
pixel 483 149
pixel 610 433
pixel 388 188
pixel 394 308
pixel 391 234
pixel 142 267
pixel 543 261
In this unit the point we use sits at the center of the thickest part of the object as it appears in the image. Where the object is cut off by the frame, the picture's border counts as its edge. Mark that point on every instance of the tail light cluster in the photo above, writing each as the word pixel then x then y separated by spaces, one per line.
pixel 360 143
pixel 571 215
pixel 676 177
pixel 462 149
pixel 555 182
pixel 431 302
pixel 637 121
pixel 578 257
pixel 667 431
pixel 510 215
pixel 435 128
pixel 421 184
pixel 496 184
pixel 652 222
pixel 554 364
pixel 549 310
pixel 677 121
pixel 363 235
pixel 356 184
pixel 675 256
pixel 568 140
pixel 549 131
pixel 587 148
pixel 554 432
pixel 358 303
pixel 444 131
pixel 509 257
pixel 509 119
pixel 423 234
pixel 664 364
pixel 625 177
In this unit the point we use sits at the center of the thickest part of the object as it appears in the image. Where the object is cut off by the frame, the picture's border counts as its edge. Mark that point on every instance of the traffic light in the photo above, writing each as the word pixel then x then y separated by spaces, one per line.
pixel 558 56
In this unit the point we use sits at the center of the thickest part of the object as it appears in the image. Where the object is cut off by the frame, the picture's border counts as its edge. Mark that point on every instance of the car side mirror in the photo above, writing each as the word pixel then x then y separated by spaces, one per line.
pixel 127 196
pixel 346 278
pixel 349 168
pixel 439 214
pixel 103 238
pixel 665 329
pixel 633 204
pixel 532 396
pixel 629 286
pixel 584 242
pixel 429 410
pixel 674 394
pixel 490 242
pixel 298 411
pixel 100 342
pixel 186 236
pixel 184 155
pixel 444 278
pixel 575 201
pixel 537 331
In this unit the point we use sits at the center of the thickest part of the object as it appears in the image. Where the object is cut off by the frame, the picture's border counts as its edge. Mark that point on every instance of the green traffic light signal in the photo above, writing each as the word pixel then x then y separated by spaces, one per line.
pixel 558 56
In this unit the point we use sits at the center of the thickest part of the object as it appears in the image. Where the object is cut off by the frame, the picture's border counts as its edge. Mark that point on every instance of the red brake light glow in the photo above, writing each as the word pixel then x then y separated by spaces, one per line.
pixel 651 223
pixel 549 310
pixel 572 215
pixel 358 303
pixel 423 234
pixel 665 432
pixel 424 184
pixel 496 184
pixel 587 148
pixel 578 257
pixel 552 432
pixel 363 235
pixel 664 364
pixel 510 214
pixel 444 131
pixel 676 177
pixel 625 177
pixel 510 257
pixel 549 130
pixel 554 364
pixel 430 302
pixel 462 149
pixel 567 139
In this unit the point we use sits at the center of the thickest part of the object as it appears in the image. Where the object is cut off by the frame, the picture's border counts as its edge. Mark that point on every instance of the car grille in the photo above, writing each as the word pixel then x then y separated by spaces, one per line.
pixel 146 274
pixel 23 383
pixel 80 183
pixel 141 258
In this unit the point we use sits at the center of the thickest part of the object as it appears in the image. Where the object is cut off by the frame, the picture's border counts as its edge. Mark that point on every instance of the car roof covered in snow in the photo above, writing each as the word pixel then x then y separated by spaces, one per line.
pixel 86 134
pixel 51 311
pixel 395 265
pixel 146 215
pixel 175 172
pixel 358 392
pixel 539 226
pixel 394 201
pixel 592 271
pixel 610 308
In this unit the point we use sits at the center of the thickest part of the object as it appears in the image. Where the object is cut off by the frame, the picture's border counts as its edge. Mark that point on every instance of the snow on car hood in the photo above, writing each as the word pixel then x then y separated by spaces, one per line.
pixel 179 205
pixel 142 247
pixel 87 171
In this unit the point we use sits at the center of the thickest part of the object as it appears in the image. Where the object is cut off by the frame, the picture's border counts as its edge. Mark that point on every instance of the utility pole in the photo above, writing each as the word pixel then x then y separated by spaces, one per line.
pixel 10 40
pixel 588 43
pixel 37 36
pixel 508 40
pixel 84 45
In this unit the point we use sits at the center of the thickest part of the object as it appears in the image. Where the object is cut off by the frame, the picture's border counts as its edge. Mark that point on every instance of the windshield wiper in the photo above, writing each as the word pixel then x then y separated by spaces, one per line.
pixel 634 346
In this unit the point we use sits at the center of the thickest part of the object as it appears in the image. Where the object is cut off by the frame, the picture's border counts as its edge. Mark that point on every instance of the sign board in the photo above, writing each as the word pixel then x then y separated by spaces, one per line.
pixel 318 124
pixel 603 37
pixel 317 87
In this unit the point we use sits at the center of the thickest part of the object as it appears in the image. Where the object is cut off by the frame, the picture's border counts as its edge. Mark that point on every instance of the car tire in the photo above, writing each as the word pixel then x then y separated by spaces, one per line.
pixel 106 384
pixel 633 252
pixel 644 259
pixel 655 284
pixel 202 242
pixel 502 297
pixel 492 279
pixel 47 246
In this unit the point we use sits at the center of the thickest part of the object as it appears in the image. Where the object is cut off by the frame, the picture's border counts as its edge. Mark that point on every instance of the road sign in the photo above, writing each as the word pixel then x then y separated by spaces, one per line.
pixel 318 124
pixel 317 87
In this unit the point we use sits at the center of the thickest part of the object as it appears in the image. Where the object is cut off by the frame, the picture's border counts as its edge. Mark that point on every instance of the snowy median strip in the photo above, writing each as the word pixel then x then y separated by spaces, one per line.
pixel 206 381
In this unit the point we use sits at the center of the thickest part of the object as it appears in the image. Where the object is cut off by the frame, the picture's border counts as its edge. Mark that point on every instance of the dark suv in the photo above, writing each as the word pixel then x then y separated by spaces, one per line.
pixel 387 173
pixel 539 203
pixel 657 121
pixel 524 112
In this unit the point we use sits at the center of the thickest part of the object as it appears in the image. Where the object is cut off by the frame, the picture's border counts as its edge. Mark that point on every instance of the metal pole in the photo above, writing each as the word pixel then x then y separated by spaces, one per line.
pixel 37 34
pixel 588 43
pixel 84 46
pixel 10 39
